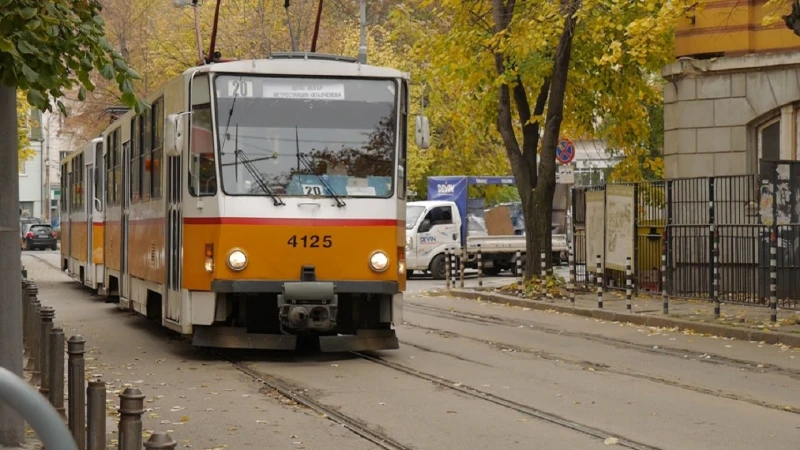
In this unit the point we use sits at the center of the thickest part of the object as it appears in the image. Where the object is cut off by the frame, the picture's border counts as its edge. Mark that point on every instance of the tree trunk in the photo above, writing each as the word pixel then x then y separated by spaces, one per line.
pixel 539 213
pixel 12 427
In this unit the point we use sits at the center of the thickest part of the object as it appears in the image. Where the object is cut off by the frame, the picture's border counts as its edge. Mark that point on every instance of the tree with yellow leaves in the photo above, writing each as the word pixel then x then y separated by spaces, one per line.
pixel 24 125
pixel 527 73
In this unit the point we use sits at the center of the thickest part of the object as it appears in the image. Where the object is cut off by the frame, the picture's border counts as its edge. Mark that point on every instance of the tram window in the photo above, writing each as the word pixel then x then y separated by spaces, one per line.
pixel 109 166
pixel 134 162
pixel 403 138
pixel 202 151
pixel 79 183
pixel 98 175
pixel 156 147
pixel 117 167
pixel 147 150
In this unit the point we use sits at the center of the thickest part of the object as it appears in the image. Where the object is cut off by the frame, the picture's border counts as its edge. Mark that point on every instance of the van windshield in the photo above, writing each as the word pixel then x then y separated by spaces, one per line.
pixel 412 215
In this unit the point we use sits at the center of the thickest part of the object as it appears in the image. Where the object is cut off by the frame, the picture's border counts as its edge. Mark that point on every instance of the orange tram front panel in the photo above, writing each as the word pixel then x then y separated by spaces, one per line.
pixel 277 249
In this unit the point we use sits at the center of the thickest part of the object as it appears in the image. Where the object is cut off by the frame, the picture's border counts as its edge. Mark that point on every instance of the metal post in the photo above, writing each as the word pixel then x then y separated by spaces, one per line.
pixel 447 267
pixel 628 285
pixel 462 266
pixel 160 440
pixel 96 411
pixel 543 271
pixel 35 322
pixel 519 268
pixel 56 367
pixel 599 283
pixel 571 285
pixel 76 382
pixel 131 408
pixel 480 267
pixel 715 272
pixel 453 270
pixel 773 277
pixel 48 313
pixel 26 331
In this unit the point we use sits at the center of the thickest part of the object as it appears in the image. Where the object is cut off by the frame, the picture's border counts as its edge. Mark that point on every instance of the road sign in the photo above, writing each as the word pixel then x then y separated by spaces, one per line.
pixel 565 174
pixel 565 152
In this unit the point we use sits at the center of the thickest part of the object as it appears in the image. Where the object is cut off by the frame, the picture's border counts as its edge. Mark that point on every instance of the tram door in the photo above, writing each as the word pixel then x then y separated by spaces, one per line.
pixel 89 208
pixel 174 238
pixel 124 288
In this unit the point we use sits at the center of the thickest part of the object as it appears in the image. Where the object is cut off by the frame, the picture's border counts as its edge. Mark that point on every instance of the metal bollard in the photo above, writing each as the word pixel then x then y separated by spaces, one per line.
pixel 599 283
pixel 76 383
pixel 48 313
pixel 519 268
pixel 480 267
pixel 715 274
pixel 96 411
pixel 33 325
pixel 462 266
pixel 131 408
pixel 447 258
pixel 56 368
pixel 160 440
pixel 773 278
pixel 571 263
pixel 628 285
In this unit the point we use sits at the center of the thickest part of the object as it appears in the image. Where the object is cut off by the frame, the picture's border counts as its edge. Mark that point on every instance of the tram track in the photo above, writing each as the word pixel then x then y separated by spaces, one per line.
pixel 510 404
pixel 285 389
pixel 678 353
pixel 599 367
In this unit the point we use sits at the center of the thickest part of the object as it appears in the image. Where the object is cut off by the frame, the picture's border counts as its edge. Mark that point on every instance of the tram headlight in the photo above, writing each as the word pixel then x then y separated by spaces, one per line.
pixel 378 261
pixel 237 260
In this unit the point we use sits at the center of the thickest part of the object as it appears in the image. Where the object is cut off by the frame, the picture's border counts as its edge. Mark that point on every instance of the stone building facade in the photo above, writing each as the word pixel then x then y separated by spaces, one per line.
pixel 733 95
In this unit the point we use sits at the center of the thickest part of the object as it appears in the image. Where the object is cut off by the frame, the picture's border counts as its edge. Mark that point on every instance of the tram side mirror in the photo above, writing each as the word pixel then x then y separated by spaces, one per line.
pixel 422 132
pixel 175 141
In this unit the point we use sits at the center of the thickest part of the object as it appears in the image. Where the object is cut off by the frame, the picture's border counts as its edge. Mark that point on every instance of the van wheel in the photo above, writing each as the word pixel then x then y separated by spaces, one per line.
pixel 438 267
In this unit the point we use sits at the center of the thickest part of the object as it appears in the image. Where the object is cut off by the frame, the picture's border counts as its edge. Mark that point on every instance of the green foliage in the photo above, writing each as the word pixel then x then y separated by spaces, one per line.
pixel 47 48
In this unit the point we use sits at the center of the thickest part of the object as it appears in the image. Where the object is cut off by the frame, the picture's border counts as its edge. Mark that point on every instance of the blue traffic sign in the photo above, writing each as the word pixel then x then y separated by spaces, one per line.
pixel 565 152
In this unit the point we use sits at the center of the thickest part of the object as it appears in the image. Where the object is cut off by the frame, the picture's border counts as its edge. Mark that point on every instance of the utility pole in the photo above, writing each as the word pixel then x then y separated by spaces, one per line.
pixel 12 426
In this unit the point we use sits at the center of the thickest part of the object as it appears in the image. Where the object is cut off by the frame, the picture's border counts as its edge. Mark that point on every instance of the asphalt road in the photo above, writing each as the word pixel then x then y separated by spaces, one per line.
pixel 468 375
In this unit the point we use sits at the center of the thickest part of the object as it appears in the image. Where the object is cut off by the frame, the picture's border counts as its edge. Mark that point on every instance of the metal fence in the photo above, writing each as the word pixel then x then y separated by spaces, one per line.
pixel 726 225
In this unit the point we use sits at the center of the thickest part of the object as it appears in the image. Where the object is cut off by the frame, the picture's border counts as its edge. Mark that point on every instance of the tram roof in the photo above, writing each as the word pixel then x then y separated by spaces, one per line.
pixel 301 64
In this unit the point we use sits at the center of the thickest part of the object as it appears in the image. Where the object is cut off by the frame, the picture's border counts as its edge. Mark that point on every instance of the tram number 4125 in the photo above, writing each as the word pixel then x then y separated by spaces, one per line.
pixel 312 241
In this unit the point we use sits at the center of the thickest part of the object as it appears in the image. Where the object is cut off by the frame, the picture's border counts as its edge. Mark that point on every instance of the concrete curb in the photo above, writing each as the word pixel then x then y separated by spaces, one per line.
pixel 743 334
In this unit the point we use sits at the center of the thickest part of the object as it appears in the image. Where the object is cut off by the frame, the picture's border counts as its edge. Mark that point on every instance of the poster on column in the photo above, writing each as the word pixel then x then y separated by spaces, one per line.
pixel 595 229
pixel 619 226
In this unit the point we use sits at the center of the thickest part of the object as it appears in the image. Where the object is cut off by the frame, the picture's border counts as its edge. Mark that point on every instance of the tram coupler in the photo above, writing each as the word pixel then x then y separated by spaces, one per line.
pixel 308 306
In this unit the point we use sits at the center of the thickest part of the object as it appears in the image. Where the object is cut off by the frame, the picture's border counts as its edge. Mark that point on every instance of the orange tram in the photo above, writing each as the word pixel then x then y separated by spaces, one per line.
pixel 255 204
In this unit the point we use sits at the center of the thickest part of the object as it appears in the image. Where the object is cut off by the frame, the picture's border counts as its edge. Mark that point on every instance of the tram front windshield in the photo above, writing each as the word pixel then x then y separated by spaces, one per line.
pixel 306 136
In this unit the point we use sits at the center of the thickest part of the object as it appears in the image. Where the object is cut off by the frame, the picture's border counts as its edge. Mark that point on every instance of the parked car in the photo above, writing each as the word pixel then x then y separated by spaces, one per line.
pixel 38 235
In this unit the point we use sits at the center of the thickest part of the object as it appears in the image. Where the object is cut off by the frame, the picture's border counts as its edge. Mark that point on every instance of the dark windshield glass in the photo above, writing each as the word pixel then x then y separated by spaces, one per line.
pixel 295 131
pixel 40 228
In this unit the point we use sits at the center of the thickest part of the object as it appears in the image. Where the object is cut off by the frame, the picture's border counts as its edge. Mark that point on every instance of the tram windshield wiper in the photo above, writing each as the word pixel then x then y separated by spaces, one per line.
pixel 258 176
pixel 304 159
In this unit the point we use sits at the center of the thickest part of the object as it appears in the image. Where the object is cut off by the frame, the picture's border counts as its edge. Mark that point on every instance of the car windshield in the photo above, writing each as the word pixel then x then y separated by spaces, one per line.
pixel 306 136
pixel 412 215
pixel 40 228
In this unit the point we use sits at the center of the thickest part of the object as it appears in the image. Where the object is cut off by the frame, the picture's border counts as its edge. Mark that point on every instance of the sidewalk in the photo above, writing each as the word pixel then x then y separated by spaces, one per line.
pixel 201 402
pixel 737 321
